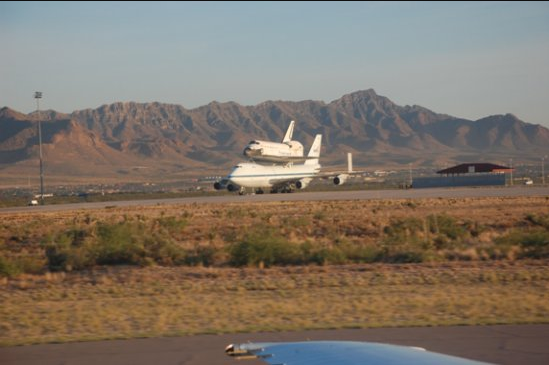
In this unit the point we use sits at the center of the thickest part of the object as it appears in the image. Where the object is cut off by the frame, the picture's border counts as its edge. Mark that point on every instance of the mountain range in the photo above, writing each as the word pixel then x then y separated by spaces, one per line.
pixel 155 140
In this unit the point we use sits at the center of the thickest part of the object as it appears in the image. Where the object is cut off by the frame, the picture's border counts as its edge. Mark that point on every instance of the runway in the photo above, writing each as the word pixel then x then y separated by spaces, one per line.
pixel 503 344
pixel 513 191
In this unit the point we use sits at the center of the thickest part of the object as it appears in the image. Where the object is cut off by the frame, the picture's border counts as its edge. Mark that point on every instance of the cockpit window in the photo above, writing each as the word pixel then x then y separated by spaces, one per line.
pixel 253 142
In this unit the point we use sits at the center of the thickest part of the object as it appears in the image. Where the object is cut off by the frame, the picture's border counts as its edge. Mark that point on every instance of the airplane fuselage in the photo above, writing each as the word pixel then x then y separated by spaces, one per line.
pixel 253 175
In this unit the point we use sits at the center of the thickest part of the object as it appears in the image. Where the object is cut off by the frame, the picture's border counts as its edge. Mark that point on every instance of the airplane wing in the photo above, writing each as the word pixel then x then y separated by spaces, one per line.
pixel 339 177
pixel 340 353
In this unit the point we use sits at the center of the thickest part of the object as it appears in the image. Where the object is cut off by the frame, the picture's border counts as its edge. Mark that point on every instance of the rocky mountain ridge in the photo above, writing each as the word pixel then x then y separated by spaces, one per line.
pixel 169 139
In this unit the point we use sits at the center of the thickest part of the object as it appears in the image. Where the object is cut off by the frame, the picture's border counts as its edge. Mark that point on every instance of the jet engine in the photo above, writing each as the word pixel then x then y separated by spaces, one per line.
pixel 303 183
pixel 232 187
pixel 340 179
pixel 221 184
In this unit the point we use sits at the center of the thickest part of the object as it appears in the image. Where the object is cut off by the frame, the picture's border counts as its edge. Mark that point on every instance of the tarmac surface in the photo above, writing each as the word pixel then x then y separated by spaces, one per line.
pixel 478 192
pixel 502 344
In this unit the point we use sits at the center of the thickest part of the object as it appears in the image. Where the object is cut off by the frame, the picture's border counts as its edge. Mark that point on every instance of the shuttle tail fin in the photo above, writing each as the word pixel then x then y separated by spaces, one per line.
pixel 289 132
pixel 314 152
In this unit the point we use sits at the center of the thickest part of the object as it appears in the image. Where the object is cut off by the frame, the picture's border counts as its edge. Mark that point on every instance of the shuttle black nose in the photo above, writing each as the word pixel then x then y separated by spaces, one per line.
pixel 251 152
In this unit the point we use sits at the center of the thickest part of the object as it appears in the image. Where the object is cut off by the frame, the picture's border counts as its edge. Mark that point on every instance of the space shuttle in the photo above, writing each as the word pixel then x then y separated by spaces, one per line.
pixel 284 152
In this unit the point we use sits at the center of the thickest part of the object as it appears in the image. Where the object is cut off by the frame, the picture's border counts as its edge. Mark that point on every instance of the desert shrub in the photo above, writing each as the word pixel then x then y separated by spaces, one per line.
pixel 30 264
pixel 474 228
pixel 402 230
pixel 403 241
pixel 296 222
pixel 361 253
pixel 236 213
pixel 319 215
pixel 172 224
pixel 119 243
pixel 201 256
pixel 133 243
pixel 533 243
pixel 66 251
pixel 404 257
pixel 541 220
pixel 8 268
pixel 333 254
pixel 328 256
pixel 446 229
pixel 161 251
pixel 263 246
pixel 128 242
pixel 15 262
pixel 346 251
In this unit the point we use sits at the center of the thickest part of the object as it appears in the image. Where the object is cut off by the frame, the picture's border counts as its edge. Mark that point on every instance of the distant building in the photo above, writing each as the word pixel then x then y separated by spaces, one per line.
pixel 475 168
pixel 466 174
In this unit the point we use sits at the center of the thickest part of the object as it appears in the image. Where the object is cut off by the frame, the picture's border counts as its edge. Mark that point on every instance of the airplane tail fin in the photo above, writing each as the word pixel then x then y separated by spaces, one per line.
pixel 314 152
pixel 349 162
pixel 289 132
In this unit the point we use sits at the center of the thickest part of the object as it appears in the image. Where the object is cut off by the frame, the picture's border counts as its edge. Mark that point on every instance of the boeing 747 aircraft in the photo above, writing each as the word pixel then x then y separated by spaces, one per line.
pixel 280 178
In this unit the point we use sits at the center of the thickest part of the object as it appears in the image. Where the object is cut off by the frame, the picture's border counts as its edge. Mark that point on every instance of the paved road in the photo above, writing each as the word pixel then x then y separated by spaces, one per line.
pixel 306 196
pixel 510 344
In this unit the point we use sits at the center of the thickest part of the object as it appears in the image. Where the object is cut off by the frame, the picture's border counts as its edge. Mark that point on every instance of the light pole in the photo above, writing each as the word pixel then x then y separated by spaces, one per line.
pixel 410 167
pixel 511 168
pixel 38 96
pixel 543 170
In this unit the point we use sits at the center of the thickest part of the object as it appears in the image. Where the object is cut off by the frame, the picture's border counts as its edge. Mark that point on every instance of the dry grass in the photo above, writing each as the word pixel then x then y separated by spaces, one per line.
pixel 126 302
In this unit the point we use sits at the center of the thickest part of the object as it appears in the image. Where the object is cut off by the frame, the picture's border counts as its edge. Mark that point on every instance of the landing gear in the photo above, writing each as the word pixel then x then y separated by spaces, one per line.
pixel 283 189
pixel 242 191
pixel 259 191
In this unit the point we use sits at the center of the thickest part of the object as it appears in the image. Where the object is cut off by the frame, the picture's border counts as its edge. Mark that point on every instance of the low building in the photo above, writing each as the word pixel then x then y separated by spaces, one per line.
pixel 467 174
pixel 475 168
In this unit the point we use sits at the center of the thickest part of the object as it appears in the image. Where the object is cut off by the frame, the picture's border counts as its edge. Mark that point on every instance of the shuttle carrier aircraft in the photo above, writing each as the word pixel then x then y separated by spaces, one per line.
pixel 281 177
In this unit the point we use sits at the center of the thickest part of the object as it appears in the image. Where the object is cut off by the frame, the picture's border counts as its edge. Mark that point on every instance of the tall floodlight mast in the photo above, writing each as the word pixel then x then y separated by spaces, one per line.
pixel 38 96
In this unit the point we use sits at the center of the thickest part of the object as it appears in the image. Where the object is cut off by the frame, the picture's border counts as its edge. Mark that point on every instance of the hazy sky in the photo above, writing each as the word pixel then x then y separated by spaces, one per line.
pixel 469 60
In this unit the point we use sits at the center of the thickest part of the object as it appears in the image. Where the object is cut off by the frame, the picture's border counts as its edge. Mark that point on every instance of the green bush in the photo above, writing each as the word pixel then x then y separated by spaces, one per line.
pixel 119 243
pixel 128 242
pixel 161 251
pixel 67 251
pixel 533 243
pixel 201 256
pixel 8 268
pixel 401 231
pixel 172 224
pixel 541 220
pixel 15 265
pixel 263 246
pixel 403 241
pixel 328 256
pixel 448 233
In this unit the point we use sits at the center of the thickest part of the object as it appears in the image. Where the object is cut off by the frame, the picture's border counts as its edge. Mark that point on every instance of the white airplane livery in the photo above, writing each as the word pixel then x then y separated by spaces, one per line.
pixel 287 151
pixel 280 178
